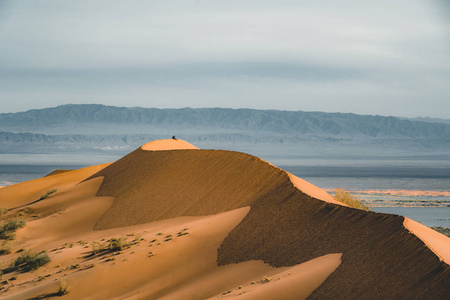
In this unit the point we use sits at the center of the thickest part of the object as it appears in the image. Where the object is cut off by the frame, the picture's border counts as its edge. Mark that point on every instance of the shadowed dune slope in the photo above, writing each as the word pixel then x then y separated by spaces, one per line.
pixel 381 258
pixel 157 185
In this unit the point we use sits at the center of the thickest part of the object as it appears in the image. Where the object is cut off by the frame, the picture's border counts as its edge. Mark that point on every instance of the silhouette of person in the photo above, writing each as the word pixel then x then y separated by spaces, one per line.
pixel 174 138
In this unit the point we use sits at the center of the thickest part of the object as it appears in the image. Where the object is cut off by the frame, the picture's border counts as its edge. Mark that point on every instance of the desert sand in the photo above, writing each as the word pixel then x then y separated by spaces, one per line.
pixel 210 224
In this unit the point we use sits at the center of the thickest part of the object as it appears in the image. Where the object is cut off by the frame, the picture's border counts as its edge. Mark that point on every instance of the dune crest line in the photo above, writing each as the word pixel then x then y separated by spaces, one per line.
pixel 290 221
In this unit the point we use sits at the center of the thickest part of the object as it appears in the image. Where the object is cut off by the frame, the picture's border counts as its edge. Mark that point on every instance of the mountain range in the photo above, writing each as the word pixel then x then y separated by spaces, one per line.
pixel 92 126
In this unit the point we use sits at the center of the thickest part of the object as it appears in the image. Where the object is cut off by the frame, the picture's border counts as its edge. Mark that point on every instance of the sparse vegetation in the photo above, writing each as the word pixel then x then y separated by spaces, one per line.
pixel 98 247
pixel 7 231
pixel 5 248
pixel 346 197
pixel 138 239
pixel 29 260
pixel 63 286
pixel 82 242
pixel 117 244
pixel 266 279
pixel 48 193
pixel 3 211
pixel 13 225
pixel 113 245
pixel 183 232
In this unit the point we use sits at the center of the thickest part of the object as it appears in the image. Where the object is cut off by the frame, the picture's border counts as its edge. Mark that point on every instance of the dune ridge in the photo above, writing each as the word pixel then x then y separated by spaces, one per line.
pixel 284 227
pixel 217 224
pixel 166 145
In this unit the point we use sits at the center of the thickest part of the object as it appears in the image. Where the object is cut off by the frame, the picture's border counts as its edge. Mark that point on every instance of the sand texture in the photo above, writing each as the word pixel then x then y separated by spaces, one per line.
pixel 211 224
pixel 172 144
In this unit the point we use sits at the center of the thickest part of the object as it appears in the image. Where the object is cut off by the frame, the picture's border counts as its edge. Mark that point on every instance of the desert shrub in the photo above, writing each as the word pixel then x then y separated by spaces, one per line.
pixel 5 248
pixel 137 239
pixel 3 211
pixel 7 235
pixel 98 247
pixel 31 261
pixel 346 197
pixel 63 286
pixel 82 243
pixel 13 225
pixel 48 193
pixel 7 231
pixel 117 244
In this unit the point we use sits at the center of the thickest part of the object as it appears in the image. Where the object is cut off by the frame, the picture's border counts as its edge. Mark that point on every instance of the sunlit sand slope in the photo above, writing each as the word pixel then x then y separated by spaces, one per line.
pixel 284 227
pixel 210 224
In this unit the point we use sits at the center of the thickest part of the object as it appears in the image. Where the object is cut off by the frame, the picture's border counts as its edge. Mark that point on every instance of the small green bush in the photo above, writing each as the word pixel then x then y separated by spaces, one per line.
pixel 345 197
pixel 48 193
pixel 31 261
pixel 117 244
pixel 13 225
pixel 7 235
pixel 7 231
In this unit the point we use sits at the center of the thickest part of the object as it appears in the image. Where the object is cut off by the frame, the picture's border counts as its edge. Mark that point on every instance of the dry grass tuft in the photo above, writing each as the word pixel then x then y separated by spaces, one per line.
pixel 349 199
pixel 63 286
pixel 48 193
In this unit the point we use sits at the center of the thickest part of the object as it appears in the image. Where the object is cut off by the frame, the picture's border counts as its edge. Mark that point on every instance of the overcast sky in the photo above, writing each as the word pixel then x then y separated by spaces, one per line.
pixel 386 57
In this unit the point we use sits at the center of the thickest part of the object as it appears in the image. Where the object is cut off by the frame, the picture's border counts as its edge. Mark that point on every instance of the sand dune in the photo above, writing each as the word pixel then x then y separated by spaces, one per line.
pixel 208 224
pixel 26 192
pixel 172 144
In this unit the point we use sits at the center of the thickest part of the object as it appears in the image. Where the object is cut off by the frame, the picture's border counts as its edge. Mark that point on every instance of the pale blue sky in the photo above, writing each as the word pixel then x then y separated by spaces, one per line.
pixel 386 57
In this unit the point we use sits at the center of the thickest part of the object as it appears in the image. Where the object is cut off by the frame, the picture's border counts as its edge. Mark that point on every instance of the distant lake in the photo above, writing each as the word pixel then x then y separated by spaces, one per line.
pixel 15 168
pixel 429 216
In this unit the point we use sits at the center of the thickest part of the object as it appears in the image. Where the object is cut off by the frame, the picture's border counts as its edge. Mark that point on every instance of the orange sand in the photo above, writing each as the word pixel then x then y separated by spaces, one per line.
pixel 312 190
pixel 437 242
pixel 26 192
pixel 160 263
pixel 167 145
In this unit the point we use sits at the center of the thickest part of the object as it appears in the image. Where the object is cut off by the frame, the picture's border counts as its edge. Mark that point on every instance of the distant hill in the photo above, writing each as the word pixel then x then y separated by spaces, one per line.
pixel 84 119
pixel 430 120
pixel 93 126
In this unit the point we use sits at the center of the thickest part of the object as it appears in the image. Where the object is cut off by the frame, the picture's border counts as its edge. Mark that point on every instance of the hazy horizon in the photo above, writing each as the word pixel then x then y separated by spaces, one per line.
pixel 234 108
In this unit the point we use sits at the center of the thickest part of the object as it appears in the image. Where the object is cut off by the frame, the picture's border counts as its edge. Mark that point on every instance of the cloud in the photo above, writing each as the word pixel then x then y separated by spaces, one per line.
pixel 349 56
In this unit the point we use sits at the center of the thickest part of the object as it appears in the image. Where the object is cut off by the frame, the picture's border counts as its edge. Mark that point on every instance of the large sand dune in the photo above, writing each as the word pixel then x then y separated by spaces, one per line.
pixel 212 224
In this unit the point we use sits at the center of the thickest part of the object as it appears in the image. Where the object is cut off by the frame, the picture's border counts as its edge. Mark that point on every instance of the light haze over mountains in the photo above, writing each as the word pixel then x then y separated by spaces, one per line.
pixel 109 128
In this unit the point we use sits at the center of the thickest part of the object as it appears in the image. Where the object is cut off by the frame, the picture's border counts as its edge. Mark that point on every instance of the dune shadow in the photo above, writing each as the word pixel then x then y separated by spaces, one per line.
pixel 45 296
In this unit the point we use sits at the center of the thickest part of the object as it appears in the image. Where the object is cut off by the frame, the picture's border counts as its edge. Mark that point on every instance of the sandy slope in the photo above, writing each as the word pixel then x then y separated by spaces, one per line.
pixel 312 190
pixel 171 144
pixel 182 268
pixel 438 243
pixel 213 224
pixel 29 191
